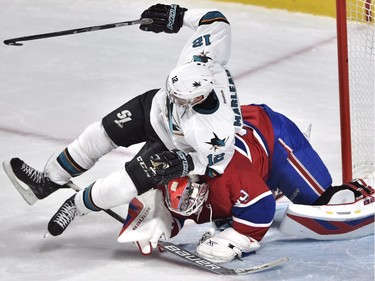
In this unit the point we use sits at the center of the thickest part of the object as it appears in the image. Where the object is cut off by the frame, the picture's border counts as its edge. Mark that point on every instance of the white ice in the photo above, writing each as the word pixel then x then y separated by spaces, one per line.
pixel 51 89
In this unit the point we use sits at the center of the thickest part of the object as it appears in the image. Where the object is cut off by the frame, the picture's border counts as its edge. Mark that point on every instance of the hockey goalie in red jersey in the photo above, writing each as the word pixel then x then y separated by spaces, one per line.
pixel 272 154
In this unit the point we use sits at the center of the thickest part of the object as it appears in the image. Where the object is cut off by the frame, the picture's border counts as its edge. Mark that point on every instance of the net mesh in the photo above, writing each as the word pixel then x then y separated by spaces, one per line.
pixel 361 50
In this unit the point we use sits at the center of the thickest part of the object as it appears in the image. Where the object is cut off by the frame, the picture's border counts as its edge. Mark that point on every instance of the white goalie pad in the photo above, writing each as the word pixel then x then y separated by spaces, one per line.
pixel 330 222
pixel 148 220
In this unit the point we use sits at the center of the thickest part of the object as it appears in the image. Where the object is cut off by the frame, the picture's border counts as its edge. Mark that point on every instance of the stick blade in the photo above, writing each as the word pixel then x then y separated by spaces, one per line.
pixel 261 267
pixel 12 43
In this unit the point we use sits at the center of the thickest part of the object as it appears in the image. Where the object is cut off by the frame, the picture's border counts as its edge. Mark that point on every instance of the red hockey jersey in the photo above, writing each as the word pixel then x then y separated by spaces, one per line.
pixel 241 193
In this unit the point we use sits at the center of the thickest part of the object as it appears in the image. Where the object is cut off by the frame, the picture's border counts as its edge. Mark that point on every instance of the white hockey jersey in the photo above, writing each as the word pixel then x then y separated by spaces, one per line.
pixel 207 136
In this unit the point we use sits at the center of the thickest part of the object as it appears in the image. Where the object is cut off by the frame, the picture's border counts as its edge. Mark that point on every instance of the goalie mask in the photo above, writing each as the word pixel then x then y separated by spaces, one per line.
pixel 189 84
pixel 185 197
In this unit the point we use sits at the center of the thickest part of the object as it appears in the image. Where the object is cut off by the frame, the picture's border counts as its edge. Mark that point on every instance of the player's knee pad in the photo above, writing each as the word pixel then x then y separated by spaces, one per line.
pixel 86 150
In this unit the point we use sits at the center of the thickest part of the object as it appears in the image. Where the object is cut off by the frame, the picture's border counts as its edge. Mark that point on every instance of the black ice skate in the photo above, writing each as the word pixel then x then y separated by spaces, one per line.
pixel 64 216
pixel 30 183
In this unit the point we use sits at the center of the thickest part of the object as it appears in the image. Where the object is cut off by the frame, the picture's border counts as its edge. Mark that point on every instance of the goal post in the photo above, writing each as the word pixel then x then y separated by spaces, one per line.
pixel 356 66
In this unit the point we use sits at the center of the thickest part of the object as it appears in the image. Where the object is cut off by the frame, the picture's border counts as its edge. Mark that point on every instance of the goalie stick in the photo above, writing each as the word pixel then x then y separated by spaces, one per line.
pixel 214 267
pixel 14 41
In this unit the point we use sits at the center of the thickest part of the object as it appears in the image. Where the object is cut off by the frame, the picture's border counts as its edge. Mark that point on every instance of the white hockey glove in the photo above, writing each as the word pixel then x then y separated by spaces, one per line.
pixel 148 220
pixel 225 246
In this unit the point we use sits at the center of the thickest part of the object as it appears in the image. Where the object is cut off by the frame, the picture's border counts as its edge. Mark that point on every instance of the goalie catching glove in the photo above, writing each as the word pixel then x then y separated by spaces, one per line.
pixel 170 165
pixel 226 245
pixel 167 18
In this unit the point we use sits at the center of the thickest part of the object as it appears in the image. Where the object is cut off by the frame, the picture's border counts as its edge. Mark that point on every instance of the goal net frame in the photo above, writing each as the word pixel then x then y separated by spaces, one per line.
pixel 356 133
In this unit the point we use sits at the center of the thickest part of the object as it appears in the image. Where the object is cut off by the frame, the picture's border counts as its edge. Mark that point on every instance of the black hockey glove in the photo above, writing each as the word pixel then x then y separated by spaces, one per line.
pixel 167 18
pixel 170 165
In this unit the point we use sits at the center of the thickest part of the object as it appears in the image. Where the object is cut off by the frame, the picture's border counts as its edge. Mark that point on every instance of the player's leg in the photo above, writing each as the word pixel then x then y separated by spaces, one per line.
pixel 127 125
pixel 345 211
pixel 118 188
pixel 297 170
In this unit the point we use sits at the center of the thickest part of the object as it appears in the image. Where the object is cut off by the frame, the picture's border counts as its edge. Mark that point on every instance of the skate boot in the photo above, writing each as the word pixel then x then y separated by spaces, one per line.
pixel 25 178
pixel 64 216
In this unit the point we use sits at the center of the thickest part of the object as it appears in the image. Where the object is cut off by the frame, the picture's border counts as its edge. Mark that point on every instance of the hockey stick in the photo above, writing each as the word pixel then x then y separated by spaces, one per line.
pixel 14 41
pixel 214 267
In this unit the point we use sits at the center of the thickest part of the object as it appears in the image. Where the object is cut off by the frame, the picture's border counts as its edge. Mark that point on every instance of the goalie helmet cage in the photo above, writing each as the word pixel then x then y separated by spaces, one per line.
pixel 356 63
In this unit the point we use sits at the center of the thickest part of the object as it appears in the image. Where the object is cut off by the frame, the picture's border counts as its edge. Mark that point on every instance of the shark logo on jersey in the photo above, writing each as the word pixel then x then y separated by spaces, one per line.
pixel 202 57
pixel 216 142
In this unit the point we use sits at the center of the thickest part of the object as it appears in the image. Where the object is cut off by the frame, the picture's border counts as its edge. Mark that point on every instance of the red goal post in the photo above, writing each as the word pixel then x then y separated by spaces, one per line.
pixel 356 63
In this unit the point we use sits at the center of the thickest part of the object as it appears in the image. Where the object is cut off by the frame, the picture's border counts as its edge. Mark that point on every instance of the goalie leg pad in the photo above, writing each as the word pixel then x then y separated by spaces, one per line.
pixel 330 222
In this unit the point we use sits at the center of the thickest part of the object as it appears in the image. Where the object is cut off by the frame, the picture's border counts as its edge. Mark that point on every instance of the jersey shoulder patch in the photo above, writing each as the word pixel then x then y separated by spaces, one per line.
pixel 212 17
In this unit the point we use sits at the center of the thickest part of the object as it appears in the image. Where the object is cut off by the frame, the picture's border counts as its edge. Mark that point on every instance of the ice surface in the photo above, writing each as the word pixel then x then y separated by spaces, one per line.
pixel 51 89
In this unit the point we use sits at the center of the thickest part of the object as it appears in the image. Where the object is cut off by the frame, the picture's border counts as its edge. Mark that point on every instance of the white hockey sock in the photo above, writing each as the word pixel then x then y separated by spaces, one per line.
pixel 56 173
pixel 111 191
pixel 92 144
pixel 81 154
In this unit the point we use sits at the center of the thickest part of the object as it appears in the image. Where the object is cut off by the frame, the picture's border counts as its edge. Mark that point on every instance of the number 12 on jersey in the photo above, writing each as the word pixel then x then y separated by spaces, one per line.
pixel 205 39
pixel 213 159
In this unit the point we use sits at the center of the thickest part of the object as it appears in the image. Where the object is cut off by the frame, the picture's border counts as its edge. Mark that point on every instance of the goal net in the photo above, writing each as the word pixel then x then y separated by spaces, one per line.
pixel 356 48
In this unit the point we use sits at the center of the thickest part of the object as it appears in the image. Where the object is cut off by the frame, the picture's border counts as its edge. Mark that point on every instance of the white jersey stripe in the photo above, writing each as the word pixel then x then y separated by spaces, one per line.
pixel 245 152
pixel 301 170
pixel 252 224
pixel 256 199
pixel 259 139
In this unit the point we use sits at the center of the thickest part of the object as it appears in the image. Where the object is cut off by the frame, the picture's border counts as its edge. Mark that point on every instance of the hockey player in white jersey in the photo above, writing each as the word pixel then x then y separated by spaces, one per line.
pixel 188 125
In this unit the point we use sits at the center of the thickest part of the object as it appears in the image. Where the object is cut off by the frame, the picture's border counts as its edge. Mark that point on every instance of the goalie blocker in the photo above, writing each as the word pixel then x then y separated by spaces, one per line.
pixel 148 220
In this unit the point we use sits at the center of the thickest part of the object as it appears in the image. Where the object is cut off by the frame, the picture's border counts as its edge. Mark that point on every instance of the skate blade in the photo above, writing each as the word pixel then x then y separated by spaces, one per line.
pixel 23 189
